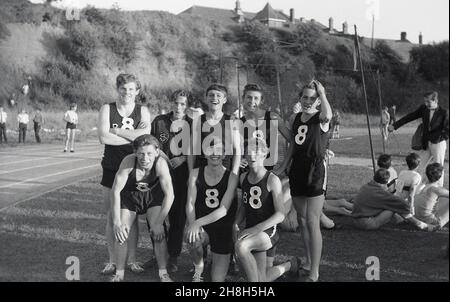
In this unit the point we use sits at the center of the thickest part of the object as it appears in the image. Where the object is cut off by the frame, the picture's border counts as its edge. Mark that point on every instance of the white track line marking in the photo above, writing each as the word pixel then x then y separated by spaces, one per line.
pixel 53 164
pixel 62 156
pixel 45 176
pixel 45 192
pixel 44 151
pixel 53 147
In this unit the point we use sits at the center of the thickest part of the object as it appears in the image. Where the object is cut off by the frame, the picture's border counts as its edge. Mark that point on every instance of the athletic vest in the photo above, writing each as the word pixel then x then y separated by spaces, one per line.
pixel 209 198
pixel 309 139
pixel 258 201
pixel 145 185
pixel 225 137
pixel 259 132
pixel 113 155
pixel 161 130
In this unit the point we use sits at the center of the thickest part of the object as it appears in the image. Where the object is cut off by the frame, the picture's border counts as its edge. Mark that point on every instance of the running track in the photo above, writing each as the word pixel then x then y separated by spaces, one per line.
pixel 30 171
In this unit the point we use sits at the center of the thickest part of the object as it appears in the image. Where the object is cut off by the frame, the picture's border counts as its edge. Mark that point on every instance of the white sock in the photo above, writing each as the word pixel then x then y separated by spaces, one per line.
pixel 199 268
pixel 120 272
pixel 162 272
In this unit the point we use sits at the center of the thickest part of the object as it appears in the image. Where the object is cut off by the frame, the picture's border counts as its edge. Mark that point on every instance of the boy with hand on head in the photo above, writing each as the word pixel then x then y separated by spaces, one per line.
pixel 310 135
pixel 142 185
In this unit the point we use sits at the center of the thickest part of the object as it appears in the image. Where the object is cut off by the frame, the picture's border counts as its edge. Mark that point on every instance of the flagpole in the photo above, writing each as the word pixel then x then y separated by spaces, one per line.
pixel 358 51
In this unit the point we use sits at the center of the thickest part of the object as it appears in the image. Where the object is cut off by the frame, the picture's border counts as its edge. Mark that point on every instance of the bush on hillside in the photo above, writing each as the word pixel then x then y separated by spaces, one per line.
pixel 431 61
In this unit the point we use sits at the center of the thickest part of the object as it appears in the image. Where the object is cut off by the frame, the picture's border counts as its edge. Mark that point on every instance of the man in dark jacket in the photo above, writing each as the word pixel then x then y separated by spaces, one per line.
pixel 435 131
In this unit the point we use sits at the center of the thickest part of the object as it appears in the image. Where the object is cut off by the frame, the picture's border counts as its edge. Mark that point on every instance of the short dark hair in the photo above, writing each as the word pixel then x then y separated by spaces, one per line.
pixel 253 87
pixel 433 94
pixel 434 172
pixel 413 160
pixel 125 78
pixel 218 87
pixel 384 161
pixel 72 105
pixel 382 176
pixel 181 93
pixel 144 140
pixel 311 86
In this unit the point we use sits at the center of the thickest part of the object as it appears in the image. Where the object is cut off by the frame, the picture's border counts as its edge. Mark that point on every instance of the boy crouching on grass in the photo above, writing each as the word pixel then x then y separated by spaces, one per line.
pixel 142 185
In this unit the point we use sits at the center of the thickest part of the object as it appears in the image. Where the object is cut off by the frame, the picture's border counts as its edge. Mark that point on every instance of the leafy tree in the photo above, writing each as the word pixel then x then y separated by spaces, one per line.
pixel 431 61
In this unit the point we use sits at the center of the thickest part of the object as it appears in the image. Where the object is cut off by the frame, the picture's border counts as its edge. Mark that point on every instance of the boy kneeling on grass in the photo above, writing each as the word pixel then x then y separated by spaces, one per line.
pixel 143 185
pixel 375 206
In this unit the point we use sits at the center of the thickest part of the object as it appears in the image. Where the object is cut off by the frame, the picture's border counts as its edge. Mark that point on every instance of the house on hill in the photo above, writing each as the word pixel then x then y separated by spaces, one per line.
pixel 274 18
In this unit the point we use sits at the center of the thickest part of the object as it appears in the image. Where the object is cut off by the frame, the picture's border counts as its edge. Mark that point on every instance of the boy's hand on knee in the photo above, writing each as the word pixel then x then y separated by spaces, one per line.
pixel 121 232
pixel 157 232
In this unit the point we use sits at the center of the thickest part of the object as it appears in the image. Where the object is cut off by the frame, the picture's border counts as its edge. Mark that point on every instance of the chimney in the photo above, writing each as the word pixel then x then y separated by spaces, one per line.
pixel 292 15
pixel 237 9
pixel 302 19
pixel 345 28
pixel 403 36
pixel 331 24
pixel 420 39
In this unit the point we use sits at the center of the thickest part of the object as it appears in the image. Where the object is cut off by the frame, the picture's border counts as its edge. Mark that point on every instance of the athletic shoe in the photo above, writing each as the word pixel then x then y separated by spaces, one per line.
pixel 116 278
pixel 72 151
pixel 197 277
pixel 172 267
pixel 109 269
pixel 65 150
pixel 165 278
pixel 135 267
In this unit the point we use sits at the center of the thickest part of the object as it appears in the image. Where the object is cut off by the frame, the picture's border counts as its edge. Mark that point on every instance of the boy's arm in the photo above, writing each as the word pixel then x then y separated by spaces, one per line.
pixel 119 183
pixel 325 109
pixel 439 191
pixel 104 135
pixel 165 180
pixel 225 203
pixel 191 197
pixel 282 128
pixel 235 138
pixel 240 213
pixel 144 127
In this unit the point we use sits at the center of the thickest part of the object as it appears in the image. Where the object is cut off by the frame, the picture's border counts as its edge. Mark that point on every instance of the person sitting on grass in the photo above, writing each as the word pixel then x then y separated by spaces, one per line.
pixel 409 180
pixel 142 185
pixel 385 162
pixel 374 206
pixel 431 203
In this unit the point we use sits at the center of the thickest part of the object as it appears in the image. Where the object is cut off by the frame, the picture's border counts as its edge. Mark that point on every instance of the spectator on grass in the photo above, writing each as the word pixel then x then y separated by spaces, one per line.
pixel 3 117
pixel 71 119
pixel 432 202
pixel 435 131
pixel 385 162
pixel 409 180
pixel 374 206
pixel 23 119
pixel 392 113
pixel 38 121
pixel 384 123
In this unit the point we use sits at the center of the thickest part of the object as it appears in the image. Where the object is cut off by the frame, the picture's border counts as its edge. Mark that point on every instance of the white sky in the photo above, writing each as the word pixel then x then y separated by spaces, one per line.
pixel 431 17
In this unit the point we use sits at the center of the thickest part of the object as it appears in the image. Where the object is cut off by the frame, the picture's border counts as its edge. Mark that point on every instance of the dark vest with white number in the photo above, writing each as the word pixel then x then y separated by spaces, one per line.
pixel 259 132
pixel 310 140
pixel 258 201
pixel 147 184
pixel 113 155
pixel 209 198
pixel 161 129
pixel 225 137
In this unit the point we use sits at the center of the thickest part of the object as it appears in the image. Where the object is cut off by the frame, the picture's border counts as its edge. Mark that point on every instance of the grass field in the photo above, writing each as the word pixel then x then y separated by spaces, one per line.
pixel 38 235
pixel 41 233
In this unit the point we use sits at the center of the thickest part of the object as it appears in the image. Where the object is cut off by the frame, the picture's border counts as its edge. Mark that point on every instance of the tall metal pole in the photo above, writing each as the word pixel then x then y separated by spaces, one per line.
pixel 358 50
pixel 381 105
pixel 279 92
pixel 238 88
pixel 373 30
pixel 221 67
